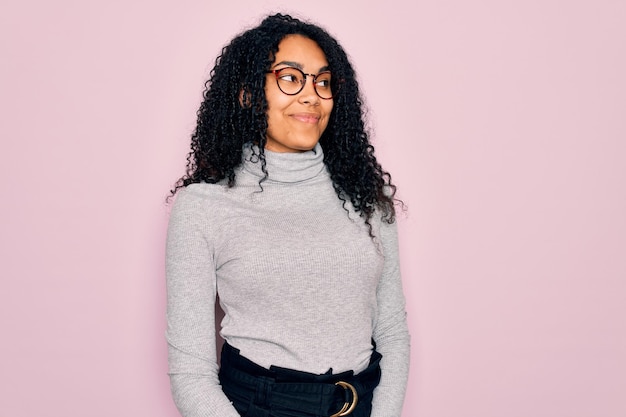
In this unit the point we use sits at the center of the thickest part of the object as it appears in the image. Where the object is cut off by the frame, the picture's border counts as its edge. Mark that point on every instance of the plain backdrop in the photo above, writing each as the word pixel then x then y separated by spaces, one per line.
pixel 503 124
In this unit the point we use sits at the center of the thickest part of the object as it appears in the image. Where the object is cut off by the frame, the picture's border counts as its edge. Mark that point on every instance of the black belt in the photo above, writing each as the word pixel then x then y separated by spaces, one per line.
pixel 257 391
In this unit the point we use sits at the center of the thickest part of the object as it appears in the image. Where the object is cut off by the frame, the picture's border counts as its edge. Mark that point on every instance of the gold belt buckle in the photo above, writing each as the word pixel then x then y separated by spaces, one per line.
pixel 347 407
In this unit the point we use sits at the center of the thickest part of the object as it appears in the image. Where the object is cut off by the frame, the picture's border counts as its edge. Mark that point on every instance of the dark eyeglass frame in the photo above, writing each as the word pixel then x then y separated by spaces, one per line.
pixel 276 73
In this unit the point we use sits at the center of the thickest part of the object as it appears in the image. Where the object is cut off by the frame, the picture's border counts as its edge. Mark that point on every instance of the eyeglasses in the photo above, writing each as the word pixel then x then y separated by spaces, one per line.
pixel 291 81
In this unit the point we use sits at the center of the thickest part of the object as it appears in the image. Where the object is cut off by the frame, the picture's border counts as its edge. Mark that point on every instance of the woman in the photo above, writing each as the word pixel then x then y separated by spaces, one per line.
pixel 286 215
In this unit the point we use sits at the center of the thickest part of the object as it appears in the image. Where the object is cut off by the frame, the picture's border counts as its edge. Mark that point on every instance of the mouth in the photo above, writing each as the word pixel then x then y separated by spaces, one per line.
pixel 310 118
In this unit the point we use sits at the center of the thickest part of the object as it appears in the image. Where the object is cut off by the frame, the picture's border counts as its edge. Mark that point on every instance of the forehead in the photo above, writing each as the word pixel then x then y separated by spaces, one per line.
pixel 300 49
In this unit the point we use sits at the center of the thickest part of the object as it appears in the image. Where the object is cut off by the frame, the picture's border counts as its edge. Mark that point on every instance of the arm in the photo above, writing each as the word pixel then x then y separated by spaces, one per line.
pixel 191 291
pixel 391 331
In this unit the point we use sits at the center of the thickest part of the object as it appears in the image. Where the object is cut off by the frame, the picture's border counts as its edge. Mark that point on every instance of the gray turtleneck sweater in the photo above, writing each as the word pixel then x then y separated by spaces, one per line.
pixel 301 282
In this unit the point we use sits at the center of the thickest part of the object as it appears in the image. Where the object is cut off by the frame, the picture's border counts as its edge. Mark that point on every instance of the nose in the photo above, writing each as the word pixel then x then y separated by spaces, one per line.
pixel 308 93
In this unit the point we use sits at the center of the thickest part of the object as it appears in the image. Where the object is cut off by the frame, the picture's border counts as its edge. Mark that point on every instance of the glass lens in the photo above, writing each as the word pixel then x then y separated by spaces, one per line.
pixel 323 85
pixel 290 80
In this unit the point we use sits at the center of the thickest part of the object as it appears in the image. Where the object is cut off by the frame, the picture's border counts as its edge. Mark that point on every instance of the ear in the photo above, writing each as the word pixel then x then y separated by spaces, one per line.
pixel 245 98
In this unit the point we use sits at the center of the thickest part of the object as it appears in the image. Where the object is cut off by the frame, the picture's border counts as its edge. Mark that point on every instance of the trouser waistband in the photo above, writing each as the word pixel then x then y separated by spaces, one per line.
pixel 259 392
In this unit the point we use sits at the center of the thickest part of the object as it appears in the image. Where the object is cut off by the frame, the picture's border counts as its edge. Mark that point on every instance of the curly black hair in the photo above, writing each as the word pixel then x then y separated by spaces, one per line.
pixel 233 113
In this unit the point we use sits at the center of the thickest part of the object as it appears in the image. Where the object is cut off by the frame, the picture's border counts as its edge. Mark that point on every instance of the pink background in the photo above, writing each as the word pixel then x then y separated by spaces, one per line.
pixel 502 122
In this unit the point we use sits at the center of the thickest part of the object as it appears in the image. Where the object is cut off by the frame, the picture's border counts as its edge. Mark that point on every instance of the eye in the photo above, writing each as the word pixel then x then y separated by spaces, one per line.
pixel 323 80
pixel 289 75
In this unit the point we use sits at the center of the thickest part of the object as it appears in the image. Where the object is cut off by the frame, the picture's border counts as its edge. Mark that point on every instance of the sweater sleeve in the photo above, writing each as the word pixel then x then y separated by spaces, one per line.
pixel 191 293
pixel 391 331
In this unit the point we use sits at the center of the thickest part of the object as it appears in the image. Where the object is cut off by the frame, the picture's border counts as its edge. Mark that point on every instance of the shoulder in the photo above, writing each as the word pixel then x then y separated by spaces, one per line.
pixel 202 190
pixel 196 195
pixel 194 202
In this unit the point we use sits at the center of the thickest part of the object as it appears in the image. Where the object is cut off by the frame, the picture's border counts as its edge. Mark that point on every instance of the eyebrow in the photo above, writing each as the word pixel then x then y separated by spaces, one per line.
pixel 298 65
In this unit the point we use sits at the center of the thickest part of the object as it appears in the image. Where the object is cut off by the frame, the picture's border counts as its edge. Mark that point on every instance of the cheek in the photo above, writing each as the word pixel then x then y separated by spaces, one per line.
pixel 276 100
pixel 328 111
pixel 274 115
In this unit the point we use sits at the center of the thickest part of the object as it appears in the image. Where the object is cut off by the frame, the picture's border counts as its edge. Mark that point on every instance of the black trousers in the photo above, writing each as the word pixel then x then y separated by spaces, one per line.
pixel 279 392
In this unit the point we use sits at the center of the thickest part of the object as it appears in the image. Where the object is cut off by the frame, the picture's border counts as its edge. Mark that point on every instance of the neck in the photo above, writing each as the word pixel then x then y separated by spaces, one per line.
pixel 284 167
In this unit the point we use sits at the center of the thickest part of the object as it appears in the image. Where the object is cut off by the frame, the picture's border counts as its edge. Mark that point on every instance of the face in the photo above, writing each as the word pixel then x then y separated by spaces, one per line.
pixel 296 123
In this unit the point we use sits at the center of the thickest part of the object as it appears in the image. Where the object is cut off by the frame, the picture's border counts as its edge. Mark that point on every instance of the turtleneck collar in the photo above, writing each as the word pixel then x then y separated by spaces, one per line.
pixel 285 167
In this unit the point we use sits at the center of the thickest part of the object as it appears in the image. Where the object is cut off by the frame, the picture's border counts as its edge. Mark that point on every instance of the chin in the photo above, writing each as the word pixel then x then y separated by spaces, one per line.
pixel 307 146
pixel 300 145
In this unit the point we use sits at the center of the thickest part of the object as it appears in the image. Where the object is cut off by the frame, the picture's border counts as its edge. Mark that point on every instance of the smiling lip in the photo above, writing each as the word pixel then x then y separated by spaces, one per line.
pixel 306 117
